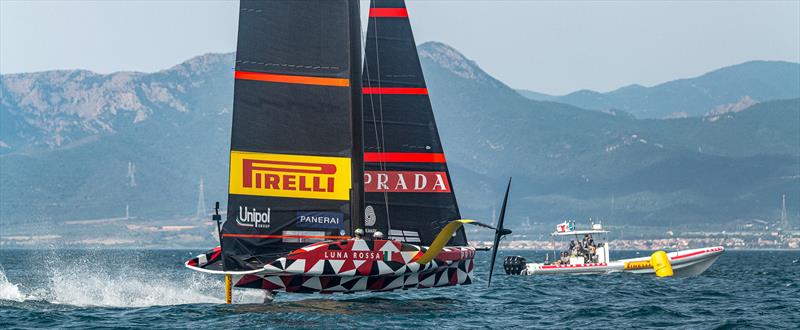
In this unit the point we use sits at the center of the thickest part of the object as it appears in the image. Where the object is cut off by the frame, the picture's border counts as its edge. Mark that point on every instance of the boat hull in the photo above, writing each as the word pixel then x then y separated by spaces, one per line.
pixel 684 263
pixel 356 265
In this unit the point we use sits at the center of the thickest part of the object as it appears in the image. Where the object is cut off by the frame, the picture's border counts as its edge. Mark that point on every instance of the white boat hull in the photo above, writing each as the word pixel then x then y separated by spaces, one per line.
pixel 684 263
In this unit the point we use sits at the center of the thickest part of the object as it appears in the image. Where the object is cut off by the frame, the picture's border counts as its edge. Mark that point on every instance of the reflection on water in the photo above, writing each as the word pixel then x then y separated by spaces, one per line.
pixel 360 305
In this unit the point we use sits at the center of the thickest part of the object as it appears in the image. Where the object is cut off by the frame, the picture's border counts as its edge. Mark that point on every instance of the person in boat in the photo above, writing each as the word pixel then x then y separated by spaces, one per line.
pixel 359 233
pixel 588 240
pixel 564 258
pixel 576 249
pixel 588 247
pixel 377 235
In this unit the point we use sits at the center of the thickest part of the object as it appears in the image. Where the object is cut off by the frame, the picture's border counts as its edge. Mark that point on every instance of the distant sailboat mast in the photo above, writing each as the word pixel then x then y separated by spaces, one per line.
pixel 131 174
pixel 201 201
pixel 612 205
pixel 784 222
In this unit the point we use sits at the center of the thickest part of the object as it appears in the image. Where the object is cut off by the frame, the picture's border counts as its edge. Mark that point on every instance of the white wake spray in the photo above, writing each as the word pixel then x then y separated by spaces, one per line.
pixel 83 282
pixel 85 287
pixel 8 290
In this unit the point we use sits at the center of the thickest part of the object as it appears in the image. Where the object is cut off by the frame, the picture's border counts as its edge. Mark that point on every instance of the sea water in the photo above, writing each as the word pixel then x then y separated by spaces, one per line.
pixel 151 289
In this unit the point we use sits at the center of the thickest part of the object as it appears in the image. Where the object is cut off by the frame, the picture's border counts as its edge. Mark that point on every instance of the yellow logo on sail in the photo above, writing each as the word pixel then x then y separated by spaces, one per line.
pixel 293 176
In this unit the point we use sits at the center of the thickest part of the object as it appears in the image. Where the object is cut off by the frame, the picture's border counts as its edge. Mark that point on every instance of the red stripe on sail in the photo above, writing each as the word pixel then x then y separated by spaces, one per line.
pixel 388 12
pixel 291 79
pixel 403 157
pixel 394 90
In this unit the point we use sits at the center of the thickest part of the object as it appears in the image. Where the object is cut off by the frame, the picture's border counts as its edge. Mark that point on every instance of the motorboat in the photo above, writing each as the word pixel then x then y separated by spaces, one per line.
pixel 586 257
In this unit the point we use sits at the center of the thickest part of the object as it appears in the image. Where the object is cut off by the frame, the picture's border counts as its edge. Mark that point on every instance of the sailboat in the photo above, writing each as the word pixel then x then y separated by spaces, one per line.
pixel 323 144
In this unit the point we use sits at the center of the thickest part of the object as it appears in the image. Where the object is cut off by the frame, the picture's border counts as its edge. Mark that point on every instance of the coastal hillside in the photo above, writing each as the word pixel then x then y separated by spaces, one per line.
pixel 733 87
pixel 81 145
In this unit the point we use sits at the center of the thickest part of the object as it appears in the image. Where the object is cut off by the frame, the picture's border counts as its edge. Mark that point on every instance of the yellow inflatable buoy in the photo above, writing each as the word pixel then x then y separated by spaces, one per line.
pixel 661 264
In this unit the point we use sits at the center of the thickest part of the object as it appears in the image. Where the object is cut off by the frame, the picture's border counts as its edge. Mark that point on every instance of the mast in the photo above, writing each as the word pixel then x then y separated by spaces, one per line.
pixel 356 119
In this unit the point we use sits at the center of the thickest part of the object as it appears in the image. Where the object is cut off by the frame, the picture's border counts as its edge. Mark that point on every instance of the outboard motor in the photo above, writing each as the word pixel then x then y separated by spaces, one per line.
pixel 514 265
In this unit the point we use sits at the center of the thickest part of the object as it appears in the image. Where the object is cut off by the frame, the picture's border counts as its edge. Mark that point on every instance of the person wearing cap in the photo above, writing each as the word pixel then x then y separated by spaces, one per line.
pixel 377 235
pixel 359 233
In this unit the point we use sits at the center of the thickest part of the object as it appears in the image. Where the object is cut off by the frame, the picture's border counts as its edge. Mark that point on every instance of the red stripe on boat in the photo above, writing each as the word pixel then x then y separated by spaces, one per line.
pixel 695 253
pixel 395 90
pixel 285 236
pixel 388 12
pixel 403 157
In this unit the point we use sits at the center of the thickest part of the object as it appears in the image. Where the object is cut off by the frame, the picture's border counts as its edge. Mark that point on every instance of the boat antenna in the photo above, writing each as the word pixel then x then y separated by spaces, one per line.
pixel 228 278
pixel 216 217
pixel 499 232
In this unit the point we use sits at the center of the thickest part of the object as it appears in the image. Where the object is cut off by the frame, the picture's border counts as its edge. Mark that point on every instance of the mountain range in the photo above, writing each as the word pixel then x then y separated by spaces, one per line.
pixel 727 88
pixel 79 145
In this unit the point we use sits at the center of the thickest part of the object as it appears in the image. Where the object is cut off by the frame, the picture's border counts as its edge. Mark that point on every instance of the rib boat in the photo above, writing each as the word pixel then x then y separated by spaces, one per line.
pixel 325 144
pixel 595 259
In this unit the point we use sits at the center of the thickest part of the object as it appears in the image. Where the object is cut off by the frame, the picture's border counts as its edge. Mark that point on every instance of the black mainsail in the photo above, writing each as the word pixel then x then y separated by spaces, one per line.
pixel 408 191
pixel 295 161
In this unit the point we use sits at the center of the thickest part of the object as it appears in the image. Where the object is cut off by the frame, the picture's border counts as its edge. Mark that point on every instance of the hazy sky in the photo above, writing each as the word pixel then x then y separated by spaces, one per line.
pixel 548 46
